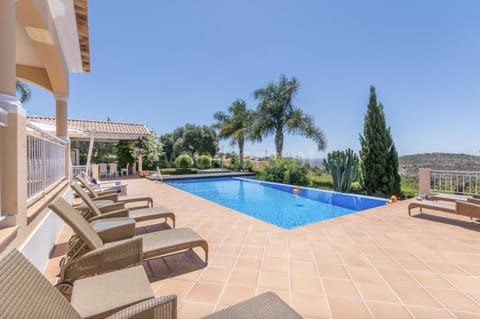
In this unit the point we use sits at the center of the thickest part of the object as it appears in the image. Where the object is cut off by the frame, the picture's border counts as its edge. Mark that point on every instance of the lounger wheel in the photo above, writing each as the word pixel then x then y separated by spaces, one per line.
pixel 66 288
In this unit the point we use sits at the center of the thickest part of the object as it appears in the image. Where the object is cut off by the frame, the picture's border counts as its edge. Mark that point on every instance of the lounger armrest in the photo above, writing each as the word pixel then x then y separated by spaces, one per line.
pixel 468 209
pixel 113 196
pixel 474 200
pixel 106 192
pixel 157 308
pixel 111 207
pixel 105 259
pixel 116 213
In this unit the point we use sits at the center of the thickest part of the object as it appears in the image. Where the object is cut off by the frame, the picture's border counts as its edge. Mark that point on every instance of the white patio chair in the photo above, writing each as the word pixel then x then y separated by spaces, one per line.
pixel 113 171
pixel 124 170
pixel 102 169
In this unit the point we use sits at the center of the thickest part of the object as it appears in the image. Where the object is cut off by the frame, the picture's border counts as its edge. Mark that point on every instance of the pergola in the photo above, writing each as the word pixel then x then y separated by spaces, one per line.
pixel 90 130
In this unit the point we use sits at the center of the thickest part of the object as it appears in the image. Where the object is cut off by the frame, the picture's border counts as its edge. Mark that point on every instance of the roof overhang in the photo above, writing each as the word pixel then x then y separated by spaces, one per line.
pixel 52 41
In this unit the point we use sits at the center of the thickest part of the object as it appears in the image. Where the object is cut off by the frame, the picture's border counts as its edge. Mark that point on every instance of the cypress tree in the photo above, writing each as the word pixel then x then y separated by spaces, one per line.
pixel 378 154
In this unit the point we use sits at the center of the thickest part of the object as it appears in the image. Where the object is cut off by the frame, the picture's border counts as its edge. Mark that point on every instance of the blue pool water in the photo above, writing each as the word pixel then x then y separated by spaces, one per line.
pixel 275 203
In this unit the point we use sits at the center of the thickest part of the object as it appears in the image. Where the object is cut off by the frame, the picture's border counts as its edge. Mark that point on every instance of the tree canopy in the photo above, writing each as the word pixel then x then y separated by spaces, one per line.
pixel 149 148
pixel 378 153
pixel 235 125
pixel 195 140
pixel 23 90
pixel 277 114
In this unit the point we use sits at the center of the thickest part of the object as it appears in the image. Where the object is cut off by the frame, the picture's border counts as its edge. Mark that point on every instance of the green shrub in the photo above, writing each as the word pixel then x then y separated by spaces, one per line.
pixel 234 162
pixel 288 172
pixel 274 171
pixel 178 171
pixel 162 163
pixel 216 163
pixel 204 161
pixel 247 166
pixel 322 181
pixel 296 173
pixel 183 161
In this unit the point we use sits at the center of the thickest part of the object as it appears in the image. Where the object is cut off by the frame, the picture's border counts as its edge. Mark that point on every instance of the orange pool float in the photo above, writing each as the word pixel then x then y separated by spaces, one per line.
pixel 296 190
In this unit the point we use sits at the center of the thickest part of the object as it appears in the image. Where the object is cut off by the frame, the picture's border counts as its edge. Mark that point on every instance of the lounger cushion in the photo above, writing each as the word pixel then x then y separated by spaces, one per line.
pixel 25 293
pixel 113 229
pixel 167 241
pixel 107 293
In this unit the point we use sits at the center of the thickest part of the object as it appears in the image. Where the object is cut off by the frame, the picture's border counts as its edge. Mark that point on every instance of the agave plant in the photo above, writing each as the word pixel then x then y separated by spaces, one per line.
pixel 343 166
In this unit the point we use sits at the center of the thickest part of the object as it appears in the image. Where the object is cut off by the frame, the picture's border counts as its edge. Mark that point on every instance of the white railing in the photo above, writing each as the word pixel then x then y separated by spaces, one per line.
pixel 458 182
pixel 45 161
pixel 78 169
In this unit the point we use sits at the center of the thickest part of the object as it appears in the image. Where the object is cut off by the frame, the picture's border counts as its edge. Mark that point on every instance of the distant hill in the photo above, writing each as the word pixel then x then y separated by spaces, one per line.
pixel 409 164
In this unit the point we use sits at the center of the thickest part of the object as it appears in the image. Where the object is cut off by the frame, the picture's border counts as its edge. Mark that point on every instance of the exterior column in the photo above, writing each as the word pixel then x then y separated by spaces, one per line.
pixel 8 73
pixel 424 181
pixel 61 116
pixel 61 107
pixel 13 139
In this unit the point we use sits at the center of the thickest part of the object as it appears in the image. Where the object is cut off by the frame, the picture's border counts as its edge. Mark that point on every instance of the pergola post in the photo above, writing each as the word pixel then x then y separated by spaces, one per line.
pixel 140 163
pixel 61 108
pixel 13 139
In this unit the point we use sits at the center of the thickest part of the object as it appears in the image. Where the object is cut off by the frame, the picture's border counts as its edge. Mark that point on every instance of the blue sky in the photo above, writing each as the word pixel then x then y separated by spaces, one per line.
pixel 167 63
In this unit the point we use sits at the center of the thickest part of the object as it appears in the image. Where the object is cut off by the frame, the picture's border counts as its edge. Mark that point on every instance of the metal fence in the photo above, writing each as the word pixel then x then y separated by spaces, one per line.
pixel 45 161
pixel 458 182
pixel 78 169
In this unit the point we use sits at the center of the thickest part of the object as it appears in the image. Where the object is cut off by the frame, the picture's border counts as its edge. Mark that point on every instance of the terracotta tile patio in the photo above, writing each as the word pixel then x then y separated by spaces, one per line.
pixel 379 263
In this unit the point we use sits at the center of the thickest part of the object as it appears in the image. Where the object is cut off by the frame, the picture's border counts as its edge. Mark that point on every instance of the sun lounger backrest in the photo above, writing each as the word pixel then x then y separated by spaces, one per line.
pixel 79 225
pixel 87 186
pixel 88 201
pixel 26 293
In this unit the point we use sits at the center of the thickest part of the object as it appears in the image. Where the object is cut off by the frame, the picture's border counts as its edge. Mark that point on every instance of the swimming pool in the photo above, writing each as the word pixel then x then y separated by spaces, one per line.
pixel 276 203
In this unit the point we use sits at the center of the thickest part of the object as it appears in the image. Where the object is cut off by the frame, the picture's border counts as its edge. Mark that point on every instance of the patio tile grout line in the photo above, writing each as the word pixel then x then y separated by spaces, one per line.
pixel 263 262
pixel 435 298
pixel 319 276
pixel 197 279
pixel 395 293
pixel 231 270
pixel 441 275
pixel 353 281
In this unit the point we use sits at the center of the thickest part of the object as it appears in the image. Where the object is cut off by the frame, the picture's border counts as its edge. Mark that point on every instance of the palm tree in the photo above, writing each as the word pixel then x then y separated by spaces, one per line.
pixel 235 125
pixel 23 90
pixel 277 114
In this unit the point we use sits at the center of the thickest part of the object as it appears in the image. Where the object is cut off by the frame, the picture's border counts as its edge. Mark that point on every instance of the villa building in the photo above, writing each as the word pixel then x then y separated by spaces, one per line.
pixel 43 42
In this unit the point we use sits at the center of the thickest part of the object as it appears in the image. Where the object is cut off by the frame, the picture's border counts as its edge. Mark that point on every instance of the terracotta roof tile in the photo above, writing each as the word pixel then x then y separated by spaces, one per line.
pixel 100 127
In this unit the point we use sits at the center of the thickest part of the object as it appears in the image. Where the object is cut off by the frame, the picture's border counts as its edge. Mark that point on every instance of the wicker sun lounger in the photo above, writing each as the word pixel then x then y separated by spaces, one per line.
pixel 429 204
pixel 26 293
pixel 463 208
pixel 446 197
pixel 97 256
pixel 139 215
pixel 113 195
